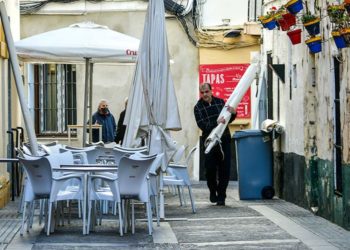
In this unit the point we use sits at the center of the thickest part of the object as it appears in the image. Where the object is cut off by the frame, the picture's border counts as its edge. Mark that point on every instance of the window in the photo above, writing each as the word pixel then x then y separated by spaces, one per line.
pixel 54 104
pixel 254 10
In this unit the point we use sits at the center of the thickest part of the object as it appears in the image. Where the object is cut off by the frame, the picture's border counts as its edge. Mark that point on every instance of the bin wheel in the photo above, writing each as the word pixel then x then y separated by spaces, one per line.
pixel 268 192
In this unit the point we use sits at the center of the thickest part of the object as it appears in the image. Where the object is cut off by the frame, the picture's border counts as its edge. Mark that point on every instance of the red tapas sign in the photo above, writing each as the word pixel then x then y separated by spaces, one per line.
pixel 224 79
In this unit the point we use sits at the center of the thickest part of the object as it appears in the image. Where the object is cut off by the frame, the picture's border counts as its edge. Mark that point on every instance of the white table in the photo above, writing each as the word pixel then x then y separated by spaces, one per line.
pixel 86 169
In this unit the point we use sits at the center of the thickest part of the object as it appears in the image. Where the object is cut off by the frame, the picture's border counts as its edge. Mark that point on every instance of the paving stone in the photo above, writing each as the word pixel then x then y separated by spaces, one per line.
pixel 234 226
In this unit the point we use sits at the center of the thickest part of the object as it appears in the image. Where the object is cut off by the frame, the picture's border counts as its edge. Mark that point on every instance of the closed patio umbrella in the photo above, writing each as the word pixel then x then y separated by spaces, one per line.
pixel 233 101
pixel 152 109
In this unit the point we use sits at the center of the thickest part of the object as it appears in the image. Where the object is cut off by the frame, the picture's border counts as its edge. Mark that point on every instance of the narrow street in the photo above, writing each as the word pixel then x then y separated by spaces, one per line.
pixel 258 224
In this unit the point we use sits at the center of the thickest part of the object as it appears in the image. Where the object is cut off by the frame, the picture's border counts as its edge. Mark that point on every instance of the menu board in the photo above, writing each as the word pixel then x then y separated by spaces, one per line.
pixel 224 79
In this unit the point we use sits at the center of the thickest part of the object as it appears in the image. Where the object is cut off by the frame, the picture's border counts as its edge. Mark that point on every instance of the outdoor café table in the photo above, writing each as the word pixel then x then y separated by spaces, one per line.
pixel 87 169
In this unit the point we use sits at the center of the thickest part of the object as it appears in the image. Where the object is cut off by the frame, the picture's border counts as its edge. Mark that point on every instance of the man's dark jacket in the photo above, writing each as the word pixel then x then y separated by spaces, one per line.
pixel 207 114
pixel 108 127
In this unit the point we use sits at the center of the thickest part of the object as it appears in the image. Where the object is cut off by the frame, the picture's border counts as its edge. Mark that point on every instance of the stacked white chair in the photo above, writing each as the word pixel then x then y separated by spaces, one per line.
pixel 44 185
pixel 134 184
pixel 153 177
pixel 111 193
pixel 102 187
pixel 178 176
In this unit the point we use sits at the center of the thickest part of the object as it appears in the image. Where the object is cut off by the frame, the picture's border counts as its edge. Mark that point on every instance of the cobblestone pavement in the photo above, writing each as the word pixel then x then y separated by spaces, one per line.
pixel 261 224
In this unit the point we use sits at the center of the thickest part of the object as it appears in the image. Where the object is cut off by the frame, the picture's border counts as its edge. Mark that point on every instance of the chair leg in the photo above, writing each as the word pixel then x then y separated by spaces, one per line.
pixel 49 219
pixel 180 196
pixel 192 200
pixel 21 201
pixel 183 195
pixel 115 208
pixel 123 214
pixel 132 217
pixel 79 209
pixel 69 213
pixel 30 215
pixel 89 217
pixel 41 209
pixel 84 217
pixel 105 207
pixel 57 210
pixel 157 209
pixel 100 212
pixel 23 217
pixel 120 219
pixel 149 217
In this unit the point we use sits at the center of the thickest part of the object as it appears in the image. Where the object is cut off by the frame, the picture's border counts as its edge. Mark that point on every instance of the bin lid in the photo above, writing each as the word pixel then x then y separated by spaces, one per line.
pixel 247 133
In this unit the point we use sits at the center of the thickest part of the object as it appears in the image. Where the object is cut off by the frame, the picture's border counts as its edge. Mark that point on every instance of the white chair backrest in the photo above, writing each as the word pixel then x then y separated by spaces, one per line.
pixel 182 172
pixel 38 170
pixel 132 176
pixel 79 149
pixel 27 150
pixel 91 154
pixel 62 158
pixel 104 153
pixel 189 156
pixel 157 163
pixel 179 154
pixel 140 149
pixel 52 148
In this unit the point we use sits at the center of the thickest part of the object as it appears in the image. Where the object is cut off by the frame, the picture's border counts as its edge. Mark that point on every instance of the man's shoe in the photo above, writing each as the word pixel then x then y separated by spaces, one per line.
pixel 213 198
pixel 220 203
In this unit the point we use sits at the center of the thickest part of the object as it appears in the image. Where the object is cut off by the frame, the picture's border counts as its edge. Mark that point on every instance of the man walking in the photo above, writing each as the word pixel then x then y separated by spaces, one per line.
pixel 217 161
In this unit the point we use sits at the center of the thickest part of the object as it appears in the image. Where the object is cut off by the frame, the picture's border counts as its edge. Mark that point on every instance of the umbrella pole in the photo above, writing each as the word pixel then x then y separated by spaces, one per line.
pixel 90 101
pixel 18 80
pixel 87 62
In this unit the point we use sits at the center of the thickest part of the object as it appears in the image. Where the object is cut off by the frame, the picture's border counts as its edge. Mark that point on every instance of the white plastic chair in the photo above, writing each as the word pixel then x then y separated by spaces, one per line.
pixel 134 184
pixel 179 154
pixel 45 186
pixel 53 148
pixel 179 177
pixel 105 194
pixel 153 177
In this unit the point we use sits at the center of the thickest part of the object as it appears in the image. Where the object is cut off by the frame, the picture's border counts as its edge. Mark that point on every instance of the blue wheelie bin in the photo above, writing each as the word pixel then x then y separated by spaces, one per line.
pixel 254 164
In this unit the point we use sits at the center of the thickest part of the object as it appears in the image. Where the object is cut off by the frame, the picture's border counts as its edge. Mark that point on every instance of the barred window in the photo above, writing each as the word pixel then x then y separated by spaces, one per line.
pixel 54 98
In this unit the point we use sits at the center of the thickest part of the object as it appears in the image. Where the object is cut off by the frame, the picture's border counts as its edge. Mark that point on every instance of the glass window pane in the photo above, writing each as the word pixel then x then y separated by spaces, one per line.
pixel 56 98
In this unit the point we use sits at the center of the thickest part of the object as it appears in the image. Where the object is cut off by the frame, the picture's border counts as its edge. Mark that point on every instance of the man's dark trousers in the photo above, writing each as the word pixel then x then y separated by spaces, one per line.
pixel 218 169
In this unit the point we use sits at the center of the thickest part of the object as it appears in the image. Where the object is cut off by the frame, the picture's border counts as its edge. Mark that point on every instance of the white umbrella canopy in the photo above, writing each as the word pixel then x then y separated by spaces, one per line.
pixel 152 107
pixel 79 41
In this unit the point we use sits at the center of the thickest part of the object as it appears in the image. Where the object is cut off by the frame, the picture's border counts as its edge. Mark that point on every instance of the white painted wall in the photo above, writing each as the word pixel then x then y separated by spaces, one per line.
pixel 216 10
pixel 308 115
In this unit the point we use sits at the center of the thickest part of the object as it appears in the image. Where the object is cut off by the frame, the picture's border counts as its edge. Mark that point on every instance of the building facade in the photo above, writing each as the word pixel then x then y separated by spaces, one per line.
pixel 312 157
